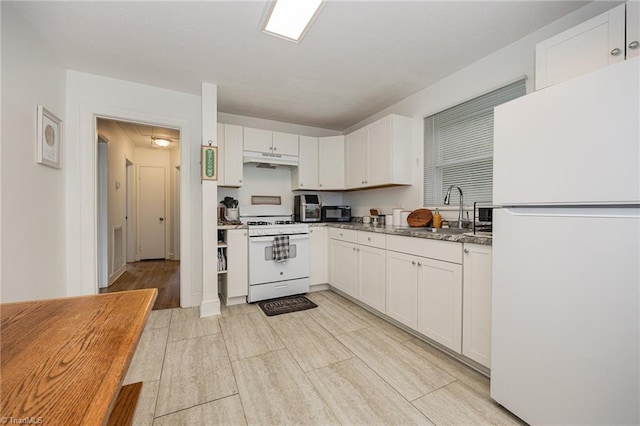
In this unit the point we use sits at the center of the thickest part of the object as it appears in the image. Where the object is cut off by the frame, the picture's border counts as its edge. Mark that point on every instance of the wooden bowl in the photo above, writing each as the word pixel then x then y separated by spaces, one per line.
pixel 419 217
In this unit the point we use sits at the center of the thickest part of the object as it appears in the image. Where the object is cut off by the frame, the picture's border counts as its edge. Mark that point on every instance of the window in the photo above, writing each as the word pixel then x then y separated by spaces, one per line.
pixel 458 146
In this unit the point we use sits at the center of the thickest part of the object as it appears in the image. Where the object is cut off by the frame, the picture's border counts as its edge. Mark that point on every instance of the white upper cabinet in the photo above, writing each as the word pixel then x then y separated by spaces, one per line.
pixel 305 176
pixel 270 142
pixel 380 154
pixel 258 140
pixel 356 158
pixel 320 164
pixel 285 143
pixel 633 29
pixel 331 163
pixel 601 41
pixel 230 155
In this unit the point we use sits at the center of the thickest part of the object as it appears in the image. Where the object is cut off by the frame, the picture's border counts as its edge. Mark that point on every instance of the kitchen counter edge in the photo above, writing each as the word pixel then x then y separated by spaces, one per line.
pixel 406 231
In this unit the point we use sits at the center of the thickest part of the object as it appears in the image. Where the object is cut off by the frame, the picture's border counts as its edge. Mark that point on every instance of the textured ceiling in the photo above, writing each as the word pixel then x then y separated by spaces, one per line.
pixel 358 58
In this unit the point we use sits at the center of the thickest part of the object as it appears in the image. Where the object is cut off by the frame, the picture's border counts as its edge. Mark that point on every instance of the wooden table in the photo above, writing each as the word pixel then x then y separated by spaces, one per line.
pixel 63 360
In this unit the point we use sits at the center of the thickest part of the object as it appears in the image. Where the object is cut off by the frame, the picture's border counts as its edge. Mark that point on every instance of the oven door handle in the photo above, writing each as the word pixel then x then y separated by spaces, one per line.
pixel 270 238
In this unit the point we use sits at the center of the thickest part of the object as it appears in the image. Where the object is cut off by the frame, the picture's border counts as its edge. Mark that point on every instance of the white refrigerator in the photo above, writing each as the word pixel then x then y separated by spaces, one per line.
pixel 566 251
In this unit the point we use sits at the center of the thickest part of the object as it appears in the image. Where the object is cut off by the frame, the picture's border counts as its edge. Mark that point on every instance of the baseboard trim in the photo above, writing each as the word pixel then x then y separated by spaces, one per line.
pixel 318 287
pixel 117 274
pixel 209 308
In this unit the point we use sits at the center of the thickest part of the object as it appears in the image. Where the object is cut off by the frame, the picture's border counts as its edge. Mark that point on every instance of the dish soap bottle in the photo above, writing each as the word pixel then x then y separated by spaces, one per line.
pixel 437 219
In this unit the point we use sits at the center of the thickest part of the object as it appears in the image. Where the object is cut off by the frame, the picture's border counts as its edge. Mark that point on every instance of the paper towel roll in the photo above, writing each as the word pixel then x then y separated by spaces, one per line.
pixel 397 217
pixel 404 216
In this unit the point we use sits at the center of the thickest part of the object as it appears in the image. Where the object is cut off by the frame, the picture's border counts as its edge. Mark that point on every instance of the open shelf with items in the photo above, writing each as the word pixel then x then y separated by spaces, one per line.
pixel 233 275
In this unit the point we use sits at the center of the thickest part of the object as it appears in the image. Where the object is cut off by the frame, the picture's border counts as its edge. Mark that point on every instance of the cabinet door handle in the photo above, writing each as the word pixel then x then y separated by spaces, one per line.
pixel 634 44
pixel 615 52
pixel 466 251
pixel 301 184
pixel 419 264
pixel 369 238
pixel 275 148
pixel 354 249
pixel 413 262
pixel 320 184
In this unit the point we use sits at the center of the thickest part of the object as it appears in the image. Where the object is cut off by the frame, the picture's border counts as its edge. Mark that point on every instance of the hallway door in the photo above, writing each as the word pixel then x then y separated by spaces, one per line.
pixel 151 208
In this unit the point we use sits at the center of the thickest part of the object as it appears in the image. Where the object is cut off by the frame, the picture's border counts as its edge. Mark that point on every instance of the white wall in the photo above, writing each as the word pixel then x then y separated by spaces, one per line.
pixel 119 149
pixel 89 96
pixel 489 73
pixel 33 195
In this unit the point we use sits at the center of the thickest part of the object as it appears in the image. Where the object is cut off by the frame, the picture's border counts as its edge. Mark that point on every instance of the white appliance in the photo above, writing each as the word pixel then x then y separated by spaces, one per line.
pixel 269 278
pixel 566 251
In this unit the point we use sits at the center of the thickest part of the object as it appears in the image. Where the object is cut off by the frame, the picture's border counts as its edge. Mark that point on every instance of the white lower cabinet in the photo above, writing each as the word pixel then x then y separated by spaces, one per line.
pixel 440 302
pixel 428 285
pixel 476 314
pixel 371 271
pixel 343 257
pixel 235 283
pixel 357 265
pixel 318 253
pixel 425 293
pixel 402 288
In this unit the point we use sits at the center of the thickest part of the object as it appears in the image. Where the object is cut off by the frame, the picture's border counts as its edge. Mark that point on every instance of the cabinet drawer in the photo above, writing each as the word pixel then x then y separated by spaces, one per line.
pixel 372 239
pixel 434 249
pixel 348 235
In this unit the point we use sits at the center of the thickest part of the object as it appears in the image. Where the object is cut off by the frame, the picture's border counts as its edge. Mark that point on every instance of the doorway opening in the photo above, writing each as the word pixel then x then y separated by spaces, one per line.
pixel 139 237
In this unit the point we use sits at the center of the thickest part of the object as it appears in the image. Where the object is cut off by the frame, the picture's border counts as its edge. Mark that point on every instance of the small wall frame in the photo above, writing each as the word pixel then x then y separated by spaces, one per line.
pixel 49 139
pixel 209 160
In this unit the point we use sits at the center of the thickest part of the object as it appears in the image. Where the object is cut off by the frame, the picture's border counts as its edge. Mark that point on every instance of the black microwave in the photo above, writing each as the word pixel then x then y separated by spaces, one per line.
pixel 336 213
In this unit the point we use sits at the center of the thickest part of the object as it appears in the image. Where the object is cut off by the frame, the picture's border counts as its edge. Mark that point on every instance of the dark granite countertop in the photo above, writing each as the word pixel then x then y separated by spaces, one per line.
pixel 406 231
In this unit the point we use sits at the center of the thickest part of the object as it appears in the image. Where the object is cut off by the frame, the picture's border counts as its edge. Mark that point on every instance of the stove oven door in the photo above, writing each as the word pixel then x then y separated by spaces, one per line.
pixel 262 267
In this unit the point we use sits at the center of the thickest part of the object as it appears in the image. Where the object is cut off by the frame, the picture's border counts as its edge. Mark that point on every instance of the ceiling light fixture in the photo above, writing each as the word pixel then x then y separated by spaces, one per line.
pixel 290 19
pixel 161 143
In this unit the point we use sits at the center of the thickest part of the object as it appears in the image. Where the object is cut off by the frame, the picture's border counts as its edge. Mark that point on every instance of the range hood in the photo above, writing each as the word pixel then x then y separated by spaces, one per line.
pixel 263 159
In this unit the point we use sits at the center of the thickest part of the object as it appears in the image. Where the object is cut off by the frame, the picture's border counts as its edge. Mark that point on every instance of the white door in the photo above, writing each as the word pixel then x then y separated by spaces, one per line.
pixel 565 304
pixel 402 288
pixel 331 162
pixel 372 277
pixel 152 218
pixel 596 43
pixel 356 164
pixel 318 247
pixel 285 143
pixel 344 267
pixel 440 302
pixel 308 163
pixel 579 139
pixel 258 140
pixel 379 153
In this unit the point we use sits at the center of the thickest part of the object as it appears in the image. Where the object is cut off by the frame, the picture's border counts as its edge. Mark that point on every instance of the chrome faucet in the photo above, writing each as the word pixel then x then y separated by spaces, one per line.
pixel 447 198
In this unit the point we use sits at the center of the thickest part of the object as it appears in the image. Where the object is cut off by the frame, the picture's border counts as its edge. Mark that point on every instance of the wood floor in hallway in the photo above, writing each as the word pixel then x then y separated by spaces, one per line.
pixel 161 274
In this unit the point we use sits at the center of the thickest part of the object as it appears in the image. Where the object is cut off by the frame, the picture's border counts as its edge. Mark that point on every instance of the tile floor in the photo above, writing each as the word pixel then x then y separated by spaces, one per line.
pixel 335 364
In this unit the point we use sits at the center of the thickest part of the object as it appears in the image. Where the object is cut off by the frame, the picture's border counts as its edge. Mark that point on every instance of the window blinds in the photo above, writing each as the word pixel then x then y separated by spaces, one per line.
pixel 458 146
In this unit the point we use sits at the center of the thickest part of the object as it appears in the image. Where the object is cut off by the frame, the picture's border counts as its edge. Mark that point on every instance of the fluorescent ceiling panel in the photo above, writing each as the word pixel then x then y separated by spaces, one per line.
pixel 290 18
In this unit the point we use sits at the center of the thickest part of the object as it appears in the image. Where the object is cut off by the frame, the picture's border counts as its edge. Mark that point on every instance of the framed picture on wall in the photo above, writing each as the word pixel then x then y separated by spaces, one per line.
pixel 209 163
pixel 49 140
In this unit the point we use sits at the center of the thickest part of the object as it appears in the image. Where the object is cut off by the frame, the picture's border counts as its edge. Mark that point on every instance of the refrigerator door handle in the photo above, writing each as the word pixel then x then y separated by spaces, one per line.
pixel 631 212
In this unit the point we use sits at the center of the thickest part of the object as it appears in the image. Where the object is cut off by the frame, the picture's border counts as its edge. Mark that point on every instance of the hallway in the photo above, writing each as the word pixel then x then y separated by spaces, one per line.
pixel 161 274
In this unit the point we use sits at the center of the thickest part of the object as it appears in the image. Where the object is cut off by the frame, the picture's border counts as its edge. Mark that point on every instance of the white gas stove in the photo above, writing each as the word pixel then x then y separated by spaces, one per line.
pixel 270 277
